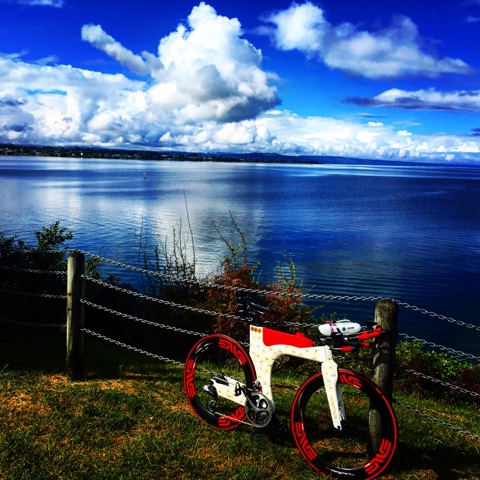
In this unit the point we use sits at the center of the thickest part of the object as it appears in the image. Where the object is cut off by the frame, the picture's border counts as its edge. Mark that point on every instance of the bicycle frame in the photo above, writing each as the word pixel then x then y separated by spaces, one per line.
pixel 266 345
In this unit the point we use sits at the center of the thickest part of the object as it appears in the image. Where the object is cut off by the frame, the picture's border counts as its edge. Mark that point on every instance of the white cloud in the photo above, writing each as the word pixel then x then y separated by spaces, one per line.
pixel 472 19
pixel 92 108
pixel 55 103
pixel 388 53
pixel 431 99
pixel 301 27
pixel 95 35
pixel 287 133
pixel 204 91
pixel 461 101
pixel 203 70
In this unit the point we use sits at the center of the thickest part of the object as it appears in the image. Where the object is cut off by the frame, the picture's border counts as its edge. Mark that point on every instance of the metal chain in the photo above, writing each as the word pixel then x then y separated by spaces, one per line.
pixel 31 270
pixel 31 294
pixel 208 312
pixel 436 315
pixel 357 298
pixel 163 302
pixel 436 420
pixel 134 349
pixel 175 362
pixel 142 320
pixel 206 283
pixel 137 269
pixel 451 351
pixel 61 326
pixel 194 281
pixel 440 382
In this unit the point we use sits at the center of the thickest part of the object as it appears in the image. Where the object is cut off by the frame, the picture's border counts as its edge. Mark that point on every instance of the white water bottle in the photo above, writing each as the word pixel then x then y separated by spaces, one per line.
pixel 345 327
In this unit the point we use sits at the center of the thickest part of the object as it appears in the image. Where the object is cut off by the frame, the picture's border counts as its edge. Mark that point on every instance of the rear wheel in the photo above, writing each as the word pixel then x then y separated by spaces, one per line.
pixel 223 359
pixel 366 444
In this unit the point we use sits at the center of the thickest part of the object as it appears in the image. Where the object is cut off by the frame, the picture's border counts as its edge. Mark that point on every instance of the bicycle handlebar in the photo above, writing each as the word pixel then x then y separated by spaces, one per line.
pixel 343 335
pixel 351 343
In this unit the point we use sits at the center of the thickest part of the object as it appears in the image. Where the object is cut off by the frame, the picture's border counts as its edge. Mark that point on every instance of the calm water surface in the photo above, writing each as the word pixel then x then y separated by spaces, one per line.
pixel 407 232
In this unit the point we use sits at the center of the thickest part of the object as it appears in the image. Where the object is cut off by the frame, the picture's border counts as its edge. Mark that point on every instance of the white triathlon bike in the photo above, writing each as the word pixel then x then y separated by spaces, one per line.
pixel 341 421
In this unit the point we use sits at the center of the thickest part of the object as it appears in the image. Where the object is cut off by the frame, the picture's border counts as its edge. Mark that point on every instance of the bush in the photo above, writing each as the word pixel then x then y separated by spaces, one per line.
pixel 439 365
pixel 43 262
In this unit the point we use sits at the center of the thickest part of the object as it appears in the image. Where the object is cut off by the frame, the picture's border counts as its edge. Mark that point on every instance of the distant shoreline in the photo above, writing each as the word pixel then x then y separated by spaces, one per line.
pixel 254 157
pixel 120 154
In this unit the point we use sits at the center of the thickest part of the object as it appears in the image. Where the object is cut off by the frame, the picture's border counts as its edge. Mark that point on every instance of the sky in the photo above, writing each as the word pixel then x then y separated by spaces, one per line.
pixel 366 79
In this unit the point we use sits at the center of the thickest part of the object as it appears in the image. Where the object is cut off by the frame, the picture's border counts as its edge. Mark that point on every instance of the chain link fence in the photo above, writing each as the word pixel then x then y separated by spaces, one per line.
pixel 203 284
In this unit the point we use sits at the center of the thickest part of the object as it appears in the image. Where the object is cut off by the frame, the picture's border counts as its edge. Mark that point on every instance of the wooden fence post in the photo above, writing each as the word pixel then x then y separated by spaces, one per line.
pixel 75 315
pixel 386 315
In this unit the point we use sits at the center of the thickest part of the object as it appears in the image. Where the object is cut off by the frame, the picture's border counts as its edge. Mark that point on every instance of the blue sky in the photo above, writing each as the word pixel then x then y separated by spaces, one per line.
pixel 369 79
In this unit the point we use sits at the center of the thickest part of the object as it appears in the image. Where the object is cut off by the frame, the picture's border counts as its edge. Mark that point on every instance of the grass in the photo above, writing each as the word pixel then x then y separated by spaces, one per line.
pixel 129 420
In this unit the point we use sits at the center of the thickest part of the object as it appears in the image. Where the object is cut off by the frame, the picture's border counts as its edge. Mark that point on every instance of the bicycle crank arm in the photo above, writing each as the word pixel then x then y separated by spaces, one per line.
pixel 225 388
pixel 334 393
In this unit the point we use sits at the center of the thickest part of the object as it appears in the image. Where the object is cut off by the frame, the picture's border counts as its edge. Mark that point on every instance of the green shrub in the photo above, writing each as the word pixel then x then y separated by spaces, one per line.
pixel 439 365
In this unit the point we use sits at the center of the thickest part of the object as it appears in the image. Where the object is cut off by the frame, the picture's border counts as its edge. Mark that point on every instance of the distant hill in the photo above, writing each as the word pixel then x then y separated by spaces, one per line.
pixel 128 154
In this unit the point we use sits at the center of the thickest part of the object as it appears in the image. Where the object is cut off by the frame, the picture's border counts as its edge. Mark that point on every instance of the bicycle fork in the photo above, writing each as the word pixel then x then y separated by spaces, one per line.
pixel 334 393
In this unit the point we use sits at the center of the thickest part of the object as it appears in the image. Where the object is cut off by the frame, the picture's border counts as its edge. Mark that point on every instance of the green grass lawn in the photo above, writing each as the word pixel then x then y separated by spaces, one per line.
pixel 129 420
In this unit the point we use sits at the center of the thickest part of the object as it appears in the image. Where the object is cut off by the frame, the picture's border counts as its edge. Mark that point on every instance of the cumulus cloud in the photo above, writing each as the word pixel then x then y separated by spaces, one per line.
pixel 287 133
pixel 63 105
pixel 204 70
pixel 204 89
pixel 56 102
pixel 465 101
pixel 395 51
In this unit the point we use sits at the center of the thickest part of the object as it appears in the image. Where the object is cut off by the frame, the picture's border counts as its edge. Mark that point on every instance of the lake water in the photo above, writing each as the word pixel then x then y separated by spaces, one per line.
pixel 407 232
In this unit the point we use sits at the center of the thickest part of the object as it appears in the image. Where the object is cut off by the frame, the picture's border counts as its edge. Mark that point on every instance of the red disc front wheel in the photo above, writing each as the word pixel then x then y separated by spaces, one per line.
pixel 365 446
